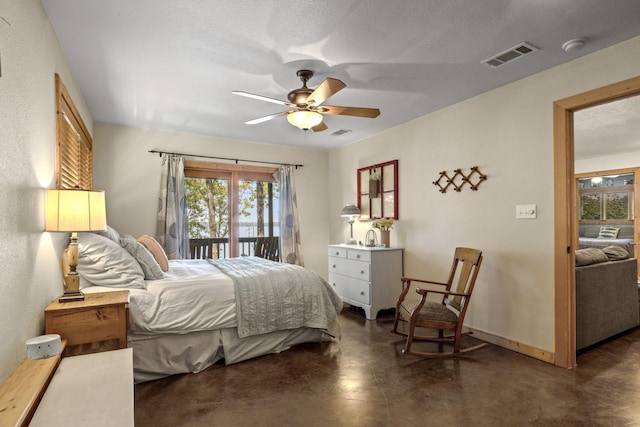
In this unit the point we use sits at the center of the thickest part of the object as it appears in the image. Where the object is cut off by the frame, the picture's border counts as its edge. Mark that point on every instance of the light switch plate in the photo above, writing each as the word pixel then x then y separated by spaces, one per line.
pixel 526 211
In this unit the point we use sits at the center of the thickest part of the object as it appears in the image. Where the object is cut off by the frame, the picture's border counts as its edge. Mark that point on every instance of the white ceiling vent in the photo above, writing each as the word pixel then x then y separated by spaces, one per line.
pixel 341 132
pixel 510 54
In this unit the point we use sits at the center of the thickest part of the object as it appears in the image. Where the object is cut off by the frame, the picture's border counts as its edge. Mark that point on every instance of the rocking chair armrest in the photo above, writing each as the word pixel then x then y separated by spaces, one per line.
pixel 423 292
pixel 409 279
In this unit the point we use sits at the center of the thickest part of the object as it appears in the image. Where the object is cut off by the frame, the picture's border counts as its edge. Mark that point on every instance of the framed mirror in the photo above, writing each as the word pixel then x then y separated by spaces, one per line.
pixel 378 191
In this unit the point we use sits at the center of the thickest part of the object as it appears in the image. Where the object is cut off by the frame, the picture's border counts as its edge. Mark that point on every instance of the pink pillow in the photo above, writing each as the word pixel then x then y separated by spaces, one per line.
pixel 156 250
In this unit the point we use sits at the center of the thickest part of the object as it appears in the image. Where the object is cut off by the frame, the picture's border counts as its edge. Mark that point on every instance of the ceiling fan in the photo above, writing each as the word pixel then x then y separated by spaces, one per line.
pixel 306 107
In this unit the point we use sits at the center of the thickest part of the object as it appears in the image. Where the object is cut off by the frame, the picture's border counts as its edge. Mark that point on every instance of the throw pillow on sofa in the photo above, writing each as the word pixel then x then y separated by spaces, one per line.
pixel 615 253
pixel 590 256
pixel 608 233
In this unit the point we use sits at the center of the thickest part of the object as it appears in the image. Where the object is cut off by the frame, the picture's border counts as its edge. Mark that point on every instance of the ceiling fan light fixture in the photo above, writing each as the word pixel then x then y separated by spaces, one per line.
pixel 304 120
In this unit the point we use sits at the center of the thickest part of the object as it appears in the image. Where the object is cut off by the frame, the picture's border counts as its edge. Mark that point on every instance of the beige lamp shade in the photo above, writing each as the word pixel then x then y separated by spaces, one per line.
pixel 75 210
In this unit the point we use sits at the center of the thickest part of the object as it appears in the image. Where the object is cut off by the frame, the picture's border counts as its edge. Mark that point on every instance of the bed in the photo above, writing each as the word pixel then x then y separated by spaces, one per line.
pixel 193 313
pixel 593 236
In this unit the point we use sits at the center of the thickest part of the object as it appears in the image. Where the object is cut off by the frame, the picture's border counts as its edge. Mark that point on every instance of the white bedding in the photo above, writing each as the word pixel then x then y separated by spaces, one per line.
pixel 195 296
pixel 186 322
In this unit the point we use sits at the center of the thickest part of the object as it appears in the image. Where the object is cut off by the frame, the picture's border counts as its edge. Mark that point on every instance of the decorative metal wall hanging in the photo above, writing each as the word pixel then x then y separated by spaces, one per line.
pixel 459 179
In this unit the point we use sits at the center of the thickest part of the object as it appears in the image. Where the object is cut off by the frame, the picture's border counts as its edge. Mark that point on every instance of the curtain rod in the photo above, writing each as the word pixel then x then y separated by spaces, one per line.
pixel 225 158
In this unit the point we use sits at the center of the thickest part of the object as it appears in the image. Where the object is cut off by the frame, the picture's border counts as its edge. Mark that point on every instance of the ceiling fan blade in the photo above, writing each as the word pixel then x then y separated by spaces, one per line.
pixel 320 127
pixel 263 98
pixel 350 111
pixel 327 88
pixel 267 118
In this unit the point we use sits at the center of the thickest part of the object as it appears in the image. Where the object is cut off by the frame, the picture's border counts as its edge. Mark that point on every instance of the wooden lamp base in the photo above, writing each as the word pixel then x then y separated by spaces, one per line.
pixel 71 279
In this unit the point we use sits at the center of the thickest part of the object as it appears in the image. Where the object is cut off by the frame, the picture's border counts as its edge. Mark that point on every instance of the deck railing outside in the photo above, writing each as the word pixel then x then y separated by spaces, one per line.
pixel 205 248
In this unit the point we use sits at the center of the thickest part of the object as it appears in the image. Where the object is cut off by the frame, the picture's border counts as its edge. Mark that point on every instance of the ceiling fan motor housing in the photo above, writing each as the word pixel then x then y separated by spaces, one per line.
pixel 299 96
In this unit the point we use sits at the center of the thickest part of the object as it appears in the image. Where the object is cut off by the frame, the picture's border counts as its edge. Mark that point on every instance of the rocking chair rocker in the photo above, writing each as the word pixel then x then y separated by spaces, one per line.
pixel 448 315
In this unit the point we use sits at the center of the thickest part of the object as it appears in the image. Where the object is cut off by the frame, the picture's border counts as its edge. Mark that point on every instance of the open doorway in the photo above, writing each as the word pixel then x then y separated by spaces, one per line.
pixel 566 210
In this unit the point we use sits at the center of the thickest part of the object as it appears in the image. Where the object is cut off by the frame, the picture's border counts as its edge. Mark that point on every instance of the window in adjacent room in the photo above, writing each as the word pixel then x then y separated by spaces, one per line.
pixel 74 154
pixel 229 207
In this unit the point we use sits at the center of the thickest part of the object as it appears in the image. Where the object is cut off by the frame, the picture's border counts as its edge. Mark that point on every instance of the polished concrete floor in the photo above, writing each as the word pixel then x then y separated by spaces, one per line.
pixel 364 380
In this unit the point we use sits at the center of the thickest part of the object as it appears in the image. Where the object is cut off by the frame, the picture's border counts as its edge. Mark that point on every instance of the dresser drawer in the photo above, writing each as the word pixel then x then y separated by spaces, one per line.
pixel 359 255
pixel 337 252
pixel 351 268
pixel 351 288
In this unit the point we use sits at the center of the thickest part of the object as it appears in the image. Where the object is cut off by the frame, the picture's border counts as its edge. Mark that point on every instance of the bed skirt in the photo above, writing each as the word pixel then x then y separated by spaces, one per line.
pixel 158 356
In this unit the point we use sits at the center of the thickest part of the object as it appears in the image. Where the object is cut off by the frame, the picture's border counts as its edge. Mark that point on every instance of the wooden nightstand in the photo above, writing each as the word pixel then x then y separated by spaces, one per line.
pixel 100 317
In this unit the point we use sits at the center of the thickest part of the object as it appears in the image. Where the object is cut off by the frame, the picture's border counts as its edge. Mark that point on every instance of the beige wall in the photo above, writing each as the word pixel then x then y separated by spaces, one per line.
pixel 31 275
pixel 614 161
pixel 507 133
pixel 130 175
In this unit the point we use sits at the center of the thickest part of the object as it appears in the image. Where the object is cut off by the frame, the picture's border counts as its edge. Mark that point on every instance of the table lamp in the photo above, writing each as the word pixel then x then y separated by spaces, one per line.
pixel 350 211
pixel 72 211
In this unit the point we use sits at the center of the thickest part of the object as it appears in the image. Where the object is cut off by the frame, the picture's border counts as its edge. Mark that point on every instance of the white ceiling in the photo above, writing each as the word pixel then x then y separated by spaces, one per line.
pixel 611 128
pixel 171 65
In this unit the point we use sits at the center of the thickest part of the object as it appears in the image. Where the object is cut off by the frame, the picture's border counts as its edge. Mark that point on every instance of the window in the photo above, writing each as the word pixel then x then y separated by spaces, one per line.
pixel 229 207
pixel 74 153
pixel 606 198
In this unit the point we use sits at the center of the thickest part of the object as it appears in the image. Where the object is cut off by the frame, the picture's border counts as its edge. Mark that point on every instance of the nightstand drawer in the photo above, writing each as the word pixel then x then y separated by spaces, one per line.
pixel 351 288
pixel 86 325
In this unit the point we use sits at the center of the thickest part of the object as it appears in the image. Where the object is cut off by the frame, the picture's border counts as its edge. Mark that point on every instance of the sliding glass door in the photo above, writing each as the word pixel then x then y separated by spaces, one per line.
pixel 229 210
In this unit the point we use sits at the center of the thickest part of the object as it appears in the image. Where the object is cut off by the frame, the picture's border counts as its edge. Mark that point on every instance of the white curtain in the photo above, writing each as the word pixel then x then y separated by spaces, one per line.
pixel 173 226
pixel 290 246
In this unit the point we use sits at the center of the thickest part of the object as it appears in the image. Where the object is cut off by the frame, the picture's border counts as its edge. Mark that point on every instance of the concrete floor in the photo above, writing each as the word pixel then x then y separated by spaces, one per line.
pixel 364 380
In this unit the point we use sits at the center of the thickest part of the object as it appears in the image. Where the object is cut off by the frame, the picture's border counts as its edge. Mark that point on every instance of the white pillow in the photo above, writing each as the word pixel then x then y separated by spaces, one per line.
pixel 111 233
pixel 148 263
pixel 104 262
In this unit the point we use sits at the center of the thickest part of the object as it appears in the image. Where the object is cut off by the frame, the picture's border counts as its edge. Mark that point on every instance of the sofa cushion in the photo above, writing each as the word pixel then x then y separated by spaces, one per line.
pixel 588 256
pixel 615 253
pixel 608 233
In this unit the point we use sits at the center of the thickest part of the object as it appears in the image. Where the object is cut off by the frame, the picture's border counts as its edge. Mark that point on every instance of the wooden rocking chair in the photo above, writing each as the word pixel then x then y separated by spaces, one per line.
pixel 446 315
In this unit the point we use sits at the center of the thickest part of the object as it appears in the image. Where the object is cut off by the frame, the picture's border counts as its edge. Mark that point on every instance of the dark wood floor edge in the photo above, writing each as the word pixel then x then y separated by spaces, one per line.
pixel 527 350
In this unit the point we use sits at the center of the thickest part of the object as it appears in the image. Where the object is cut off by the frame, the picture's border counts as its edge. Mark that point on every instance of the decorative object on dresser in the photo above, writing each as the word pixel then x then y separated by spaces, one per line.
pixel 366 277
pixel 371 239
pixel 99 317
pixel 73 211
pixel 378 190
pixel 350 211
pixel 384 225
pixel 446 315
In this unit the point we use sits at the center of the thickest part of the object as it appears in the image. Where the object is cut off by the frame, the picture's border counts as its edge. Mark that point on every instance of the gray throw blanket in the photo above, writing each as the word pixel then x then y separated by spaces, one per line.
pixel 271 296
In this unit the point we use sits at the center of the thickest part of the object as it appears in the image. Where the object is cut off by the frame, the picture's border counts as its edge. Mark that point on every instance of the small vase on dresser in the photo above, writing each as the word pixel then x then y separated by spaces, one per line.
pixel 385 238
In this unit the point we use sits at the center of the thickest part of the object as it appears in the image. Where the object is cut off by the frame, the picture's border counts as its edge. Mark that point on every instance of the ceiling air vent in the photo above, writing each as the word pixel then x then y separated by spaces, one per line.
pixel 340 132
pixel 510 54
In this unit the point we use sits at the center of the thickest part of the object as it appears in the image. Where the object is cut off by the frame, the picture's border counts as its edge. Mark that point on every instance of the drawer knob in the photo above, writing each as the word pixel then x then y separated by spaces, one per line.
pixel 358 256
pixel 362 293
pixel 334 266
pixel 334 283
pixel 361 271
pixel 337 253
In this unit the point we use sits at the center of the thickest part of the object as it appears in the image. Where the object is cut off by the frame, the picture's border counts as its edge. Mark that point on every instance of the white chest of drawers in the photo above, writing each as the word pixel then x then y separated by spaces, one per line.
pixel 366 277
